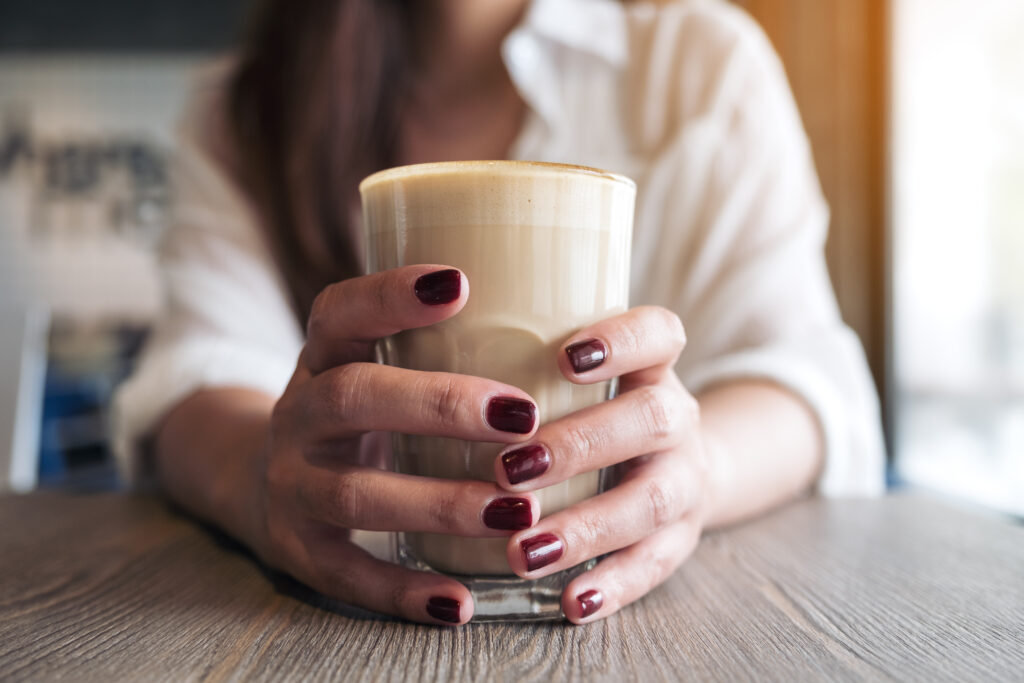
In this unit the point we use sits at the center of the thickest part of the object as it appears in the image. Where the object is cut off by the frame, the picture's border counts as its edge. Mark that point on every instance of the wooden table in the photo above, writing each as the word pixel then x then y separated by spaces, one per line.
pixel 118 587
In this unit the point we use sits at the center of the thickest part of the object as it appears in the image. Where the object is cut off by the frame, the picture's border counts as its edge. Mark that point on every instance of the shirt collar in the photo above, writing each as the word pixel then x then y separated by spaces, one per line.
pixel 596 28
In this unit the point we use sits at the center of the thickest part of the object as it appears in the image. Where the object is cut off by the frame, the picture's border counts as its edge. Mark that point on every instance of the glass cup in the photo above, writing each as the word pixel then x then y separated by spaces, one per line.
pixel 546 249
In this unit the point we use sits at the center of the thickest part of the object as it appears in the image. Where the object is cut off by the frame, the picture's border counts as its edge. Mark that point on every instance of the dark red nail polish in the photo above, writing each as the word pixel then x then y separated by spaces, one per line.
pixel 508 514
pixel 523 464
pixel 439 287
pixel 444 609
pixel 586 355
pixel 590 601
pixel 541 550
pixel 511 414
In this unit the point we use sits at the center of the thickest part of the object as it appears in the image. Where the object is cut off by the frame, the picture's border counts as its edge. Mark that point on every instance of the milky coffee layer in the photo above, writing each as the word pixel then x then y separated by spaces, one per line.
pixel 545 250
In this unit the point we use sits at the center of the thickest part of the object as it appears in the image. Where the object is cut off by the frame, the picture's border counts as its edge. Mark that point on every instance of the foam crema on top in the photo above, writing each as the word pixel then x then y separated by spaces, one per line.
pixel 482 193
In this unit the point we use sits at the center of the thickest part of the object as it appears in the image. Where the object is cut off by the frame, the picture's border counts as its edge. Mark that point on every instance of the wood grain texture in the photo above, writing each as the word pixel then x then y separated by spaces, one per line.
pixel 116 587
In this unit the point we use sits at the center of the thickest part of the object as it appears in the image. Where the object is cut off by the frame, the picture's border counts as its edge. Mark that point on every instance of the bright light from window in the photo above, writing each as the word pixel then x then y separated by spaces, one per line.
pixel 958 246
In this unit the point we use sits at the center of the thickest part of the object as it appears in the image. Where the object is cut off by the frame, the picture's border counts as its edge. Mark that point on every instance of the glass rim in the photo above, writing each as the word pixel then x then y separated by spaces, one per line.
pixel 502 167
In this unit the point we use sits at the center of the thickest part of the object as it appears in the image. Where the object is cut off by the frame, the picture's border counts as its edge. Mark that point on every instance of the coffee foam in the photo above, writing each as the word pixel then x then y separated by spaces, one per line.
pixel 485 193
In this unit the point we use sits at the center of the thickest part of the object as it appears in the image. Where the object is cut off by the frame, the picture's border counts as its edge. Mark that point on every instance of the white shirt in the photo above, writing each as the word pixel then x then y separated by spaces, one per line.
pixel 690 101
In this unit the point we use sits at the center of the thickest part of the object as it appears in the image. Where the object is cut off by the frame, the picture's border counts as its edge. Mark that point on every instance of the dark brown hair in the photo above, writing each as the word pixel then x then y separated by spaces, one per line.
pixel 313 108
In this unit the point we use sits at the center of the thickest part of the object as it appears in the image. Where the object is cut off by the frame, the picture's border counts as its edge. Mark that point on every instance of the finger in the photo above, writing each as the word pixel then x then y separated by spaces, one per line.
pixel 655 494
pixel 335 567
pixel 377 500
pixel 629 574
pixel 349 316
pixel 649 419
pixel 360 397
pixel 644 341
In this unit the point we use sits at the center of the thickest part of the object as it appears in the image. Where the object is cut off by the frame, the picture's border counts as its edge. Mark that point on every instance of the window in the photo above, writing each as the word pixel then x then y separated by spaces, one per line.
pixel 958 247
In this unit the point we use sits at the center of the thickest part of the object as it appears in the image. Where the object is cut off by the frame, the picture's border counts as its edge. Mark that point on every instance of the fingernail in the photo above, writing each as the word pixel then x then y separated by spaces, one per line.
pixel 508 514
pixel 586 355
pixel 590 601
pixel 523 464
pixel 541 550
pixel 439 287
pixel 444 609
pixel 509 414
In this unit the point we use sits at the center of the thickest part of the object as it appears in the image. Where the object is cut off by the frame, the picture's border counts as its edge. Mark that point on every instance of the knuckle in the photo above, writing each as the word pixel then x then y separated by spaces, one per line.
pixel 672 327
pixel 616 592
pixel 277 475
pixel 662 502
pixel 660 413
pixel 590 533
pixel 281 415
pixel 274 537
pixel 630 340
pixel 443 511
pixel 381 296
pixel 345 386
pixel 664 564
pixel 398 597
pixel 350 500
pixel 582 444
pixel 446 400
pixel 320 312
pixel 660 566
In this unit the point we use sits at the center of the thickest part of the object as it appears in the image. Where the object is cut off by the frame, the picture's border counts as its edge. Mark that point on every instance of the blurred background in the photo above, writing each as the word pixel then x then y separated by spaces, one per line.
pixel 915 110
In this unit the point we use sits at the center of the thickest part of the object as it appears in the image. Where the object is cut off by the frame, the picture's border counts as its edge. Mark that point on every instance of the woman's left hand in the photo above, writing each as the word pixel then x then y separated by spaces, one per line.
pixel 651 521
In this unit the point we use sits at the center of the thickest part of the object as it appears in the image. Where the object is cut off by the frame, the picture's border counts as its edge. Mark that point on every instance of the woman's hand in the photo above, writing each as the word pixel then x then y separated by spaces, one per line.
pixel 651 521
pixel 316 480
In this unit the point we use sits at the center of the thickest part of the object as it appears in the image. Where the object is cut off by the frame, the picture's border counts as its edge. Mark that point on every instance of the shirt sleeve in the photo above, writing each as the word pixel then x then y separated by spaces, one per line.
pixel 227 323
pixel 748 275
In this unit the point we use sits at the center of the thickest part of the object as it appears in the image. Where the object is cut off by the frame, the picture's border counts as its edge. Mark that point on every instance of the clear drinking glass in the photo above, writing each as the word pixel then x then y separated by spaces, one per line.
pixel 545 248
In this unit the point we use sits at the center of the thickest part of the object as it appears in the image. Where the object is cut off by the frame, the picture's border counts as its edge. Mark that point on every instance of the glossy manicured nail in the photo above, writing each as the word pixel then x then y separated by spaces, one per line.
pixel 444 609
pixel 590 601
pixel 541 550
pixel 523 464
pixel 586 355
pixel 439 287
pixel 509 414
pixel 508 514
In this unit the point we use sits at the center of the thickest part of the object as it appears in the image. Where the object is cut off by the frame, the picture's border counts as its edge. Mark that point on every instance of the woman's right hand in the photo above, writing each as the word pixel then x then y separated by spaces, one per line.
pixel 315 482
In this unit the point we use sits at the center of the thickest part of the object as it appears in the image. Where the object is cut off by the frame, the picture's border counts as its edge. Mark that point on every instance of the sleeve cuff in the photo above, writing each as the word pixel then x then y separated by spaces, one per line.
pixel 165 379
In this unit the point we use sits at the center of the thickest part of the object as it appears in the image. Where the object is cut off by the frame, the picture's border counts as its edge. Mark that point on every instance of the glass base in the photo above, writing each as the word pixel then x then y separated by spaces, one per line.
pixel 508 598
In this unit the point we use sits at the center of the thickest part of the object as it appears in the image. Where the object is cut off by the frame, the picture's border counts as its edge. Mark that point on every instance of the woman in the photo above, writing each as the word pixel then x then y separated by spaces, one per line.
pixel 764 397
